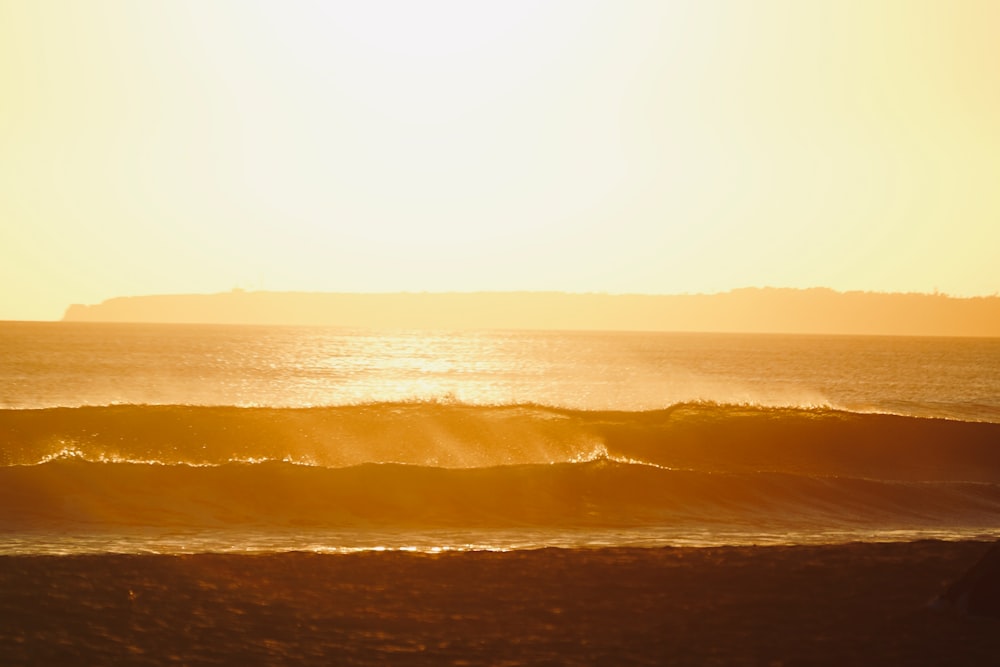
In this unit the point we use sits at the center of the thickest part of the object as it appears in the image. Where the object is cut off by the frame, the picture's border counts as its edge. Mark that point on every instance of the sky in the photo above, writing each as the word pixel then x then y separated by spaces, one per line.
pixel 617 147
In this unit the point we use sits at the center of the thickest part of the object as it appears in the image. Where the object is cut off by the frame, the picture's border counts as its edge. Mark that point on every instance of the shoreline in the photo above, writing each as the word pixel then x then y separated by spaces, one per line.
pixel 855 603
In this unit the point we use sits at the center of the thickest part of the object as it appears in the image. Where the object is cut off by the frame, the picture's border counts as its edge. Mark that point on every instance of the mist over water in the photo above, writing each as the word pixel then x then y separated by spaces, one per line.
pixel 200 438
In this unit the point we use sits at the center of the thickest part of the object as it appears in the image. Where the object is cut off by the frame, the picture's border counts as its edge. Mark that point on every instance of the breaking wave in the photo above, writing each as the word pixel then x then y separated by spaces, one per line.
pixel 705 437
pixel 424 466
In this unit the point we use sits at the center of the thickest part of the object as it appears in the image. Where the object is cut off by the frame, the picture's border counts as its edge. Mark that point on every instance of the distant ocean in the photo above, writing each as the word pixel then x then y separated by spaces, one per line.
pixel 118 438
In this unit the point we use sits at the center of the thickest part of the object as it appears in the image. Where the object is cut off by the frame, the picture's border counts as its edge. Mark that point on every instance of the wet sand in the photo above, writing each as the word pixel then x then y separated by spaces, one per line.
pixel 801 605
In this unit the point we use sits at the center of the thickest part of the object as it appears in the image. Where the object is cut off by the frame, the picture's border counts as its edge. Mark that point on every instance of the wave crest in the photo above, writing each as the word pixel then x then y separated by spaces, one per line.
pixel 696 436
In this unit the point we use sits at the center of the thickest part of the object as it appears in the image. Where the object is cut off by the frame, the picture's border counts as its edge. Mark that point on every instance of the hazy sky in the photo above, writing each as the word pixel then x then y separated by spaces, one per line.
pixel 657 147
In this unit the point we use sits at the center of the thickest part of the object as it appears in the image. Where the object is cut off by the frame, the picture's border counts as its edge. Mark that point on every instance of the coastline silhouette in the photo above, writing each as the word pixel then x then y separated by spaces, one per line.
pixel 748 310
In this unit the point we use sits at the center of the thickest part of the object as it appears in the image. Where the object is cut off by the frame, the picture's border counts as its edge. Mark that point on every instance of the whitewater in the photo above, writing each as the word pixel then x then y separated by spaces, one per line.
pixel 181 439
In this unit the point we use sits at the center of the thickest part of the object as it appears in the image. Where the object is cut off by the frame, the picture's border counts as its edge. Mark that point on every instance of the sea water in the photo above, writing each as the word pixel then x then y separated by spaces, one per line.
pixel 179 438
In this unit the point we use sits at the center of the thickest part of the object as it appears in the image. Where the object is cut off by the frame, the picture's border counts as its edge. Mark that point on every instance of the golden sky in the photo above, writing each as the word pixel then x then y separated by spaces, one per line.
pixel 650 147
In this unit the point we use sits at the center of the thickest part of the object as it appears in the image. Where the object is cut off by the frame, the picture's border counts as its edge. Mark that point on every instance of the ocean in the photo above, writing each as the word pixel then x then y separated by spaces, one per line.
pixel 214 495
pixel 175 439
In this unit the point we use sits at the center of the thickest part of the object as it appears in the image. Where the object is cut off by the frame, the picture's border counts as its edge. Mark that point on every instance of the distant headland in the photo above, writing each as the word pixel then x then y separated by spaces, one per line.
pixel 748 310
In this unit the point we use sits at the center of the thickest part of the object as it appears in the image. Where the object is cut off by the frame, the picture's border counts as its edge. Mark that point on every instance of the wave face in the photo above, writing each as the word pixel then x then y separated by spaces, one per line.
pixel 704 437
pixel 354 474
